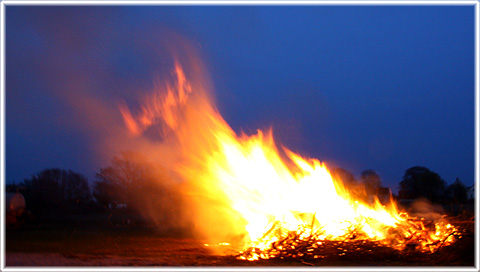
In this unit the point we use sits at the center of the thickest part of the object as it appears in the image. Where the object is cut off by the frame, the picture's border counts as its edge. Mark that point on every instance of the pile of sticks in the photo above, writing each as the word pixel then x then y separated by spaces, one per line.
pixel 306 244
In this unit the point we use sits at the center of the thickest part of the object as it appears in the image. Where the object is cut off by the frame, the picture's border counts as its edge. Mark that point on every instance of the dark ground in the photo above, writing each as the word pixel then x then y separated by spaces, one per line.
pixel 74 244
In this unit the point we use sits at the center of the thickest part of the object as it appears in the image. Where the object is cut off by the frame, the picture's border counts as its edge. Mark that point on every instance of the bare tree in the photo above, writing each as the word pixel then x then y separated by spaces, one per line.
pixel 143 186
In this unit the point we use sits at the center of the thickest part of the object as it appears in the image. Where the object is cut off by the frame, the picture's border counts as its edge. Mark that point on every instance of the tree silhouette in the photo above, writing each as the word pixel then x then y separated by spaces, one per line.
pixel 420 182
pixel 133 180
pixel 350 183
pixel 371 180
pixel 119 181
pixel 456 192
pixel 345 176
pixel 56 189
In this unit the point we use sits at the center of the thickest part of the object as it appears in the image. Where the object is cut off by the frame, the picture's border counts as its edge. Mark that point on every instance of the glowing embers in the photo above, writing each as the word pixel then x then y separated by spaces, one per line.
pixel 306 244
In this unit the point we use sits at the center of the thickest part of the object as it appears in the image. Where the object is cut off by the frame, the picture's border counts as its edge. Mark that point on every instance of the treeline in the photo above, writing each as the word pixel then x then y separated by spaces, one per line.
pixel 130 190
pixel 131 182
pixel 55 189
pixel 421 182
pixel 417 182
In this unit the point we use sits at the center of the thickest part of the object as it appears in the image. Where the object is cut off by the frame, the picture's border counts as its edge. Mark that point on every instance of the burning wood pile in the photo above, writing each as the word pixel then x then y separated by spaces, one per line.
pixel 422 236
pixel 284 205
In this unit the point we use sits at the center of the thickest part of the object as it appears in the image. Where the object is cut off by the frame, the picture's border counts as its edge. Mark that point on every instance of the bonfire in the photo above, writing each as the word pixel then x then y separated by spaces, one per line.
pixel 261 198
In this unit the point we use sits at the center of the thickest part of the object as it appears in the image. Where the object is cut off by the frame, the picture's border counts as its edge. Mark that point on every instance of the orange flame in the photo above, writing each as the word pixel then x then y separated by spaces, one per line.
pixel 245 192
pixel 160 106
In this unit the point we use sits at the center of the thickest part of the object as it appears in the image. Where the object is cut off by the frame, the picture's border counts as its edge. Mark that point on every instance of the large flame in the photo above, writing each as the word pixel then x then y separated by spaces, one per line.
pixel 246 191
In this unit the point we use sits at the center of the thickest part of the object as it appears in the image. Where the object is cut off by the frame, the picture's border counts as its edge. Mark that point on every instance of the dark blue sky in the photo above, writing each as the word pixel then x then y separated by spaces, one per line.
pixel 360 87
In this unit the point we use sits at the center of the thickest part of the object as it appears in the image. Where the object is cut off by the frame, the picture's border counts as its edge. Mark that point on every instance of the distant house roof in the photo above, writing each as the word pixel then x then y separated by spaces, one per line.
pixel 471 192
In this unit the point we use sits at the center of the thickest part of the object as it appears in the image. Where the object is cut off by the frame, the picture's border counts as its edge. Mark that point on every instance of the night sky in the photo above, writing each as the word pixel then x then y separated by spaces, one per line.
pixel 359 87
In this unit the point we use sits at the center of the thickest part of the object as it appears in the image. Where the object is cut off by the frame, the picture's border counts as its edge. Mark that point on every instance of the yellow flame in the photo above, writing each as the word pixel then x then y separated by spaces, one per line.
pixel 243 189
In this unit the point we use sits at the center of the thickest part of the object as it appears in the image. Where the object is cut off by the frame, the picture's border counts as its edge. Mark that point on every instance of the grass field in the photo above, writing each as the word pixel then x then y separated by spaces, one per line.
pixel 100 246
